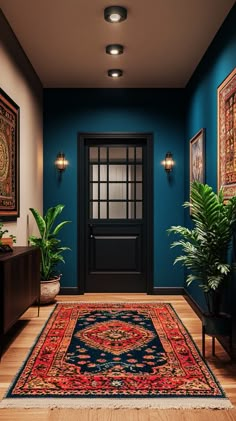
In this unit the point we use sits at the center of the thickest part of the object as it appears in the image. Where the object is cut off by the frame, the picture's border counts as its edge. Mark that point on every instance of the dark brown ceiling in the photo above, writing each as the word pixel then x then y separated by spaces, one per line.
pixel 164 40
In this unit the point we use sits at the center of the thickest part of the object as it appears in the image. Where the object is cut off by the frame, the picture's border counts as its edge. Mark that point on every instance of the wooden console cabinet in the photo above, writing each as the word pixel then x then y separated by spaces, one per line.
pixel 19 284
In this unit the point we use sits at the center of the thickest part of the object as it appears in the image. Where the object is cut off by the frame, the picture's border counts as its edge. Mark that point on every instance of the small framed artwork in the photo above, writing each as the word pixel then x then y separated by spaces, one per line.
pixel 9 158
pixel 197 157
pixel 226 119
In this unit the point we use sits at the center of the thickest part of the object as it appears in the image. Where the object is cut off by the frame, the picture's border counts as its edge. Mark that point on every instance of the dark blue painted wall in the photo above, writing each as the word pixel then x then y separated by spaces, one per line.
pixel 159 111
pixel 201 99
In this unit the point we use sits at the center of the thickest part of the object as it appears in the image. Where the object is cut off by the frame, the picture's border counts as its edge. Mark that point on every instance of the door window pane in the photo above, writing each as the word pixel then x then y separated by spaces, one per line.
pixel 103 191
pixel 117 210
pixel 131 206
pixel 139 210
pixel 103 154
pixel 103 210
pixel 139 154
pixel 103 172
pixel 131 154
pixel 93 154
pixel 94 210
pixel 131 170
pixel 131 191
pixel 139 191
pixel 117 172
pixel 93 172
pixel 94 191
pixel 117 191
pixel 117 154
pixel 139 173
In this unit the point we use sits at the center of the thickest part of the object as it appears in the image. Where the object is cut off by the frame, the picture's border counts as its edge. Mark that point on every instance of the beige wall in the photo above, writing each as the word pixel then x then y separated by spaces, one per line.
pixel 20 82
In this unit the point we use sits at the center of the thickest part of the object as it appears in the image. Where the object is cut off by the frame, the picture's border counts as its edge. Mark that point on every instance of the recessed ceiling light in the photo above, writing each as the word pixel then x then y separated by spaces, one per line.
pixel 115 73
pixel 114 49
pixel 114 14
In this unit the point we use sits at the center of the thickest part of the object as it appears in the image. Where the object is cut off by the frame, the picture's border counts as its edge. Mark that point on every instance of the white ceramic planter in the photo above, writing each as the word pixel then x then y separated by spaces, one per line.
pixel 49 290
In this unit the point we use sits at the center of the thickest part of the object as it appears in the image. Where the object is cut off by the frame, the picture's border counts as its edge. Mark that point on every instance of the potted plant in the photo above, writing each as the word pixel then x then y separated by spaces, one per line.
pixel 51 251
pixel 6 240
pixel 205 246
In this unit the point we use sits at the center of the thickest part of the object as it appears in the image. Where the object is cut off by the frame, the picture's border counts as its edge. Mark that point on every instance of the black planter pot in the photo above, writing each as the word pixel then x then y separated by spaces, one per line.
pixel 217 325
pixel 213 300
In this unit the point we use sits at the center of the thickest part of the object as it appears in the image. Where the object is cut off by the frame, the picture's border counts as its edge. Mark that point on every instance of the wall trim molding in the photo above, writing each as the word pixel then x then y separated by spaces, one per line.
pixel 168 291
pixel 193 304
pixel 69 291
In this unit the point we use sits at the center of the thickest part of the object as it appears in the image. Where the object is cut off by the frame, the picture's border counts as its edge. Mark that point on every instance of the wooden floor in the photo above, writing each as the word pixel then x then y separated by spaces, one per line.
pixel 27 329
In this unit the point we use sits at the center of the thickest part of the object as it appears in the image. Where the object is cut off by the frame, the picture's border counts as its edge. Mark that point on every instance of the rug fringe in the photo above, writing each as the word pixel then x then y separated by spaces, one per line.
pixel 159 403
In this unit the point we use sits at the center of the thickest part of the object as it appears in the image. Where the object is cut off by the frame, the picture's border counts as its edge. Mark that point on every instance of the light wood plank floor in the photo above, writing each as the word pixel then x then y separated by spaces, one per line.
pixel 30 325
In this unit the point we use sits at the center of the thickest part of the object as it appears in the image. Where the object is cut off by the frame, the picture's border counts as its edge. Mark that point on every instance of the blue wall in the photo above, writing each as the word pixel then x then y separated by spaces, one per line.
pixel 159 111
pixel 201 94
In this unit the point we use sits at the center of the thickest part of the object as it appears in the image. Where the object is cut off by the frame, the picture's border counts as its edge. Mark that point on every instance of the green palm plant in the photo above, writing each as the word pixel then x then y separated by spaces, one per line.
pixel 205 246
pixel 49 244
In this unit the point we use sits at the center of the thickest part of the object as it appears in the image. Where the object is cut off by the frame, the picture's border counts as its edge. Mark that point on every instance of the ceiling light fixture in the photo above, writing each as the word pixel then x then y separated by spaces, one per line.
pixel 114 49
pixel 114 14
pixel 115 73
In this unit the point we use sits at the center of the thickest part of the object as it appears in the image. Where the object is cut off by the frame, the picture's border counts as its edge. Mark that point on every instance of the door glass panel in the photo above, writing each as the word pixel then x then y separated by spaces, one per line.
pixel 117 210
pixel 117 154
pixel 131 172
pixel 116 182
pixel 139 212
pixel 103 172
pixel 93 154
pixel 117 191
pixel 117 172
pixel 93 210
pixel 139 154
pixel 131 191
pixel 94 191
pixel 103 191
pixel 93 172
pixel 103 154
pixel 103 210
pixel 139 191
pixel 131 207
pixel 139 173
pixel 131 154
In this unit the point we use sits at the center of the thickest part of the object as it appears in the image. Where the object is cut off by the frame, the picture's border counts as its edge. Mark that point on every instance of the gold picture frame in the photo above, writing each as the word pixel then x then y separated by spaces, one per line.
pixel 9 158
pixel 226 133
pixel 197 157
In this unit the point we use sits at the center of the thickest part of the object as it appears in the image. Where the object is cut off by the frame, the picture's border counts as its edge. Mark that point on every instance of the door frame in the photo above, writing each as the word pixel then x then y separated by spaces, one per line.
pixel 147 138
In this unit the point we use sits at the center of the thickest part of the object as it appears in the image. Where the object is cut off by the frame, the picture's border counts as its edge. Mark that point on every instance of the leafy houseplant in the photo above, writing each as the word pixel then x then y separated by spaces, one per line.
pixel 205 247
pixel 50 247
pixel 7 240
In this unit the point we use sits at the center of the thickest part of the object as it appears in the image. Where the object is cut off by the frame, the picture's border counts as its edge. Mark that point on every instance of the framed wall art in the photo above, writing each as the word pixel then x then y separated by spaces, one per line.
pixel 226 116
pixel 9 158
pixel 197 157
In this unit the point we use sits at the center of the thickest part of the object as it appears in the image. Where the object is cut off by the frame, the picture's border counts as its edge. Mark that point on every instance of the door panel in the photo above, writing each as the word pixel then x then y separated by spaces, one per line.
pixel 115 249
pixel 115 182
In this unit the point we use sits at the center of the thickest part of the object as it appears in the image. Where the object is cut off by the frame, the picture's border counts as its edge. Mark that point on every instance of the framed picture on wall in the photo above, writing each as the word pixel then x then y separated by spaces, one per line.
pixel 226 116
pixel 197 157
pixel 9 158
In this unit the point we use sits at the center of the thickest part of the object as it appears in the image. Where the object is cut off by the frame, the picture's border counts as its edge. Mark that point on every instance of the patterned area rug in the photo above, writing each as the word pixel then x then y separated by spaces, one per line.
pixel 115 355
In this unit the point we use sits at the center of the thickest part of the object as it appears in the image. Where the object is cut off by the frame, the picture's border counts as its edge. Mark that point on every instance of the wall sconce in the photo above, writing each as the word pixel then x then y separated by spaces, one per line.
pixel 168 162
pixel 61 163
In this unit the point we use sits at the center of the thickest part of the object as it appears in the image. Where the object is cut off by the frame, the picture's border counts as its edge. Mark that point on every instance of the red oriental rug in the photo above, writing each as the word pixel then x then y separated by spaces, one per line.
pixel 115 355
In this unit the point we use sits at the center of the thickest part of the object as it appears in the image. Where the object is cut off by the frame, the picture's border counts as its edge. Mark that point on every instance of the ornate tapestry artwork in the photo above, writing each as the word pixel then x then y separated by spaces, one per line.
pixel 227 135
pixel 115 355
pixel 9 142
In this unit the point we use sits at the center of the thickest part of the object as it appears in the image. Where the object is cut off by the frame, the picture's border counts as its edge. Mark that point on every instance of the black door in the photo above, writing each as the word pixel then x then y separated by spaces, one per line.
pixel 115 208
